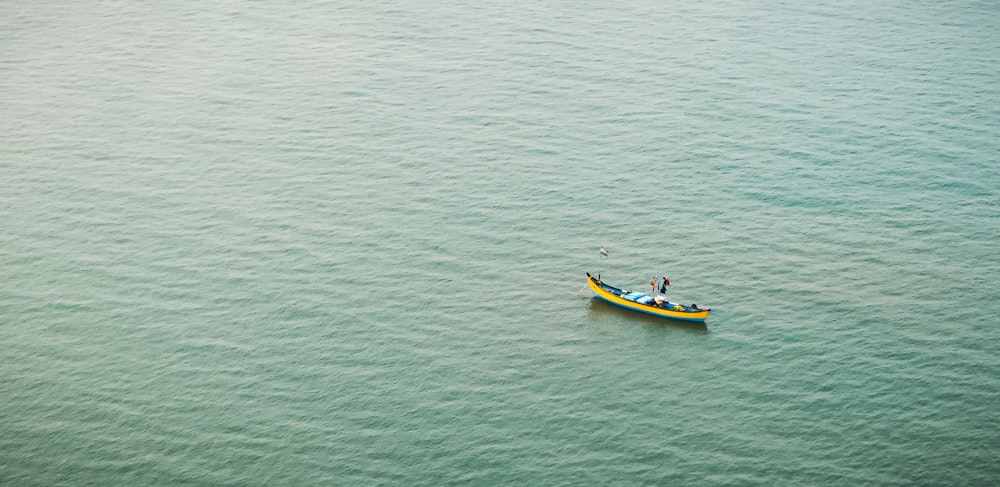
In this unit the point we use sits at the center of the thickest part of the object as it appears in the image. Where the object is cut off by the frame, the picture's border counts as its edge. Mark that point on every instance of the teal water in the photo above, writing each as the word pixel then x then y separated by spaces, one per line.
pixel 315 243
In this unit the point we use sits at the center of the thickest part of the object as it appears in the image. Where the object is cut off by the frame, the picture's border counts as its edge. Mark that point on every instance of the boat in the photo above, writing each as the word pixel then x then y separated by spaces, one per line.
pixel 651 305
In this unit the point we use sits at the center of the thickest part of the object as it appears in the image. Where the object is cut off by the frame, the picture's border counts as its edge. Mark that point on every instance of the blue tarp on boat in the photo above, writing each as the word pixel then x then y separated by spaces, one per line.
pixel 638 298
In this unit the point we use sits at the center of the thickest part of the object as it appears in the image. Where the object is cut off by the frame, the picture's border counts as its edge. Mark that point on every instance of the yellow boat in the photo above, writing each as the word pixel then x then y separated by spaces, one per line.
pixel 656 306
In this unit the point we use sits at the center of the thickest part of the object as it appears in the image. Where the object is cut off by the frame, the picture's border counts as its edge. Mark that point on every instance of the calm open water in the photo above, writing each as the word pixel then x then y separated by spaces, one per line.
pixel 344 243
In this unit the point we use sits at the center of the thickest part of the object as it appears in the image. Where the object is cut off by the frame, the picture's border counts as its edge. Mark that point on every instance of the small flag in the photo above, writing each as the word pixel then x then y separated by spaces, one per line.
pixel 604 251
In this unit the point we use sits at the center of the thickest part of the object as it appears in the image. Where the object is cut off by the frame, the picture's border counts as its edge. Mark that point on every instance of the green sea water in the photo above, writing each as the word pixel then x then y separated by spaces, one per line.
pixel 344 243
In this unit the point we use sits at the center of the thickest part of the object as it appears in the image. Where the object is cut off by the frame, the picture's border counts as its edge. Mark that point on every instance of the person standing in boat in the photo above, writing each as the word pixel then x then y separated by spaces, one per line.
pixel 652 286
pixel 663 285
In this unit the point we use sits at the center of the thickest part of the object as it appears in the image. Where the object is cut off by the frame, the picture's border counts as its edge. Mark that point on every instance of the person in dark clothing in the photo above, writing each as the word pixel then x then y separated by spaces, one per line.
pixel 663 285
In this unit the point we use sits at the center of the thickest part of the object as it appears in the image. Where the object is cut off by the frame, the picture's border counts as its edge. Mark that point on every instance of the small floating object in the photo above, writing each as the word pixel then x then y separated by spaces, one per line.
pixel 636 301
pixel 604 251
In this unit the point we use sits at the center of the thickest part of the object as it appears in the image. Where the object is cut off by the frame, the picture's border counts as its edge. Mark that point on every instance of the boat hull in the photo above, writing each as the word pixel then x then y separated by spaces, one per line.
pixel 602 292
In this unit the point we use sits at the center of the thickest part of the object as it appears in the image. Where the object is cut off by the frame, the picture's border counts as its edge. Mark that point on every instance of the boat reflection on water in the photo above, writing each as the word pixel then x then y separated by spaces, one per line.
pixel 605 311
